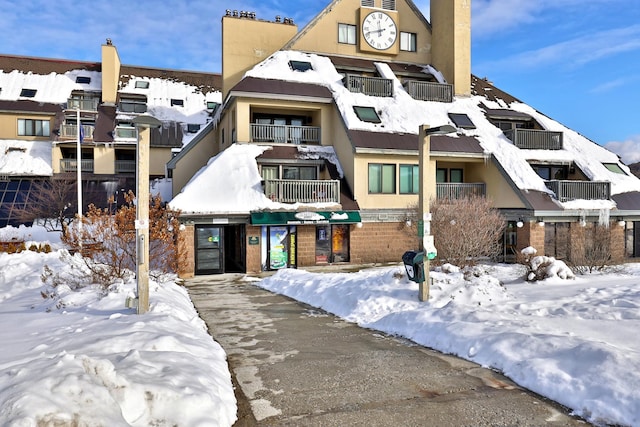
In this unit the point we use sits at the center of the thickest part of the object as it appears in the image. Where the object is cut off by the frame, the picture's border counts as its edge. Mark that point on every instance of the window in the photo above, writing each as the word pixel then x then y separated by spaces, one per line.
pixel 28 127
pixel 177 102
pixel 211 105
pixel 614 167
pixel 28 93
pixel 193 128
pixel 133 105
pixel 382 178
pixel 83 80
pixel 367 3
pixel 462 121
pixel 367 114
pixel 551 172
pixel 346 34
pixel 409 179
pixel 141 84
pixel 300 66
pixel 408 41
pixel 454 175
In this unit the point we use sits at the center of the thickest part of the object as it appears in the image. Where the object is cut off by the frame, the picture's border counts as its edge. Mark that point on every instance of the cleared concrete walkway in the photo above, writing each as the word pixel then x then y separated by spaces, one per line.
pixel 298 366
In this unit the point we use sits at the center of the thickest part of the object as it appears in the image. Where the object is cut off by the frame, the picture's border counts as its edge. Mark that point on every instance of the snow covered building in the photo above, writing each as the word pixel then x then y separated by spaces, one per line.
pixel 42 99
pixel 315 158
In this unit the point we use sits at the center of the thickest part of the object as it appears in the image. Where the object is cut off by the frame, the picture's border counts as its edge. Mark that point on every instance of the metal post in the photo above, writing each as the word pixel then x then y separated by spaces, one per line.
pixel 143 125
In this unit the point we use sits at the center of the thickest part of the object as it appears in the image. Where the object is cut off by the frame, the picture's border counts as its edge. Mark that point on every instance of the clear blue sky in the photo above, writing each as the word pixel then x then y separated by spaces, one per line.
pixel 578 61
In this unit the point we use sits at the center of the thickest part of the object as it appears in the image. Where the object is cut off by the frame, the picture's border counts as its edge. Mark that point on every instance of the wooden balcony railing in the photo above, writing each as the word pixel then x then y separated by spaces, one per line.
pixel 71 131
pixel 302 191
pixel 428 91
pixel 71 165
pixel 454 191
pixel 287 134
pixel 82 104
pixel 125 166
pixel 580 190
pixel 532 139
pixel 374 86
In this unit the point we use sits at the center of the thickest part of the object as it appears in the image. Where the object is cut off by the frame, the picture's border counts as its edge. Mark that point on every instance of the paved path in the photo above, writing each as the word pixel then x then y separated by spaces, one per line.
pixel 299 366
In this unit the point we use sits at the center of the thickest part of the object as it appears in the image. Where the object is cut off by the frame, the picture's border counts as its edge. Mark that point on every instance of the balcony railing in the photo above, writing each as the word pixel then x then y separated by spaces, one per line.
pixel 302 191
pixel 71 165
pixel 71 131
pixel 126 132
pixel 374 86
pixel 532 139
pixel 428 91
pixel 125 166
pixel 580 190
pixel 457 191
pixel 287 134
pixel 82 104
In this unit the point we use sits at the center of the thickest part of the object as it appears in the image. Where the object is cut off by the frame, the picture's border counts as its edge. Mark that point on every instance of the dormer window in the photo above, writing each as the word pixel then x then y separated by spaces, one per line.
pixel 462 121
pixel 28 93
pixel 83 80
pixel 177 102
pixel 142 84
pixel 367 114
pixel 300 66
pixel 129 104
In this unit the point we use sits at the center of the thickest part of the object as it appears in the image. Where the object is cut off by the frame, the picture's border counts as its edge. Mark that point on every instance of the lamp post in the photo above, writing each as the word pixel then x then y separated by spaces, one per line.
pixel 143 125
pixel 424 217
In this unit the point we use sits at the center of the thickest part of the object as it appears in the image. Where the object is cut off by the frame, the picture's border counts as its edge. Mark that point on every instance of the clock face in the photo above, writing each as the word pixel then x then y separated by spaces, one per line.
pixel 379 30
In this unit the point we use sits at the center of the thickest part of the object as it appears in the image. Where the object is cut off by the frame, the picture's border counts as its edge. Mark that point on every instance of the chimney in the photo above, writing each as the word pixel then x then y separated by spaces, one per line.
pixel 451 42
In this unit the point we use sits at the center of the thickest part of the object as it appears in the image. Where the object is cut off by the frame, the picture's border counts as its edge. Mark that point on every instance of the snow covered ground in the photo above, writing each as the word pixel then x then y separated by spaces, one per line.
pixel 80 355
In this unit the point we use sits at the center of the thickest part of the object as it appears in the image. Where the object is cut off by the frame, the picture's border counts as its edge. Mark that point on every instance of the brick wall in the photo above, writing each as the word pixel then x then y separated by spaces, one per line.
pixel 254 264
pixel 306 245
pixel 186 252
pixel 378 242
pixel 531 234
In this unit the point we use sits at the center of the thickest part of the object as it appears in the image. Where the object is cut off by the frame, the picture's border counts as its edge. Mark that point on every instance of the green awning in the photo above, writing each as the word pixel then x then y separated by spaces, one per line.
pixel 305 217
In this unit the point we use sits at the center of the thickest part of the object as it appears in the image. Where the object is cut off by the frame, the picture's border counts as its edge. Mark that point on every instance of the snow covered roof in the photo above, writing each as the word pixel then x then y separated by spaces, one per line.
pixel 25 158
pixel 401 116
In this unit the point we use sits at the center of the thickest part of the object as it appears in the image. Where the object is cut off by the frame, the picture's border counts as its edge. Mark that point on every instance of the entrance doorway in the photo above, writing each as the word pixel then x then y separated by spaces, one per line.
pixel 220 249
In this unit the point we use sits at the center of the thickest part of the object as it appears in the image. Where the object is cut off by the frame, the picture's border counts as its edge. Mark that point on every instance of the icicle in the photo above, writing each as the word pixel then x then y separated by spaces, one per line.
pixel 603 218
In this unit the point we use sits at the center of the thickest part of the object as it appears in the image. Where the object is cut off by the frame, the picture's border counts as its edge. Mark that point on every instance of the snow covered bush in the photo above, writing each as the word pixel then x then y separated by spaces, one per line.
pixel 541 267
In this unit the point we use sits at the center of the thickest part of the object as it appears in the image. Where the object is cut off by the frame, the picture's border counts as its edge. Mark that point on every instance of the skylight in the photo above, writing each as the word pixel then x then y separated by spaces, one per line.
pixel 462 121
pixel 28 93
pixel 141 84
pixel 177 102
pixel 212 105
pixel 300 65
pixel 83 80
pixel 367 114
pixel 614 167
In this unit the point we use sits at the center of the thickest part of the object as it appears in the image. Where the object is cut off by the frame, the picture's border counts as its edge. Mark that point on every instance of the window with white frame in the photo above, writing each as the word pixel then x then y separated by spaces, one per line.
pixel 408 41
pixel 346 33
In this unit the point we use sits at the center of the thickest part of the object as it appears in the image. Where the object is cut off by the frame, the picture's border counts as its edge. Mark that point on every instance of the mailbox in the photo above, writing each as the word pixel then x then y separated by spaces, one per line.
pixel 414 265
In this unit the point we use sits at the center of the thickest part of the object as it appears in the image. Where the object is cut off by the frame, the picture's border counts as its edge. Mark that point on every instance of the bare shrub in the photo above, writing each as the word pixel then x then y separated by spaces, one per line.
pixel 107 242
pixel 466 229
pixel 592 249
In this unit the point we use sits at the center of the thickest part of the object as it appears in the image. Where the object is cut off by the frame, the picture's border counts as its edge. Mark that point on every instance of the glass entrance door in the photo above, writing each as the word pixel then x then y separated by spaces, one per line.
pixel 208 250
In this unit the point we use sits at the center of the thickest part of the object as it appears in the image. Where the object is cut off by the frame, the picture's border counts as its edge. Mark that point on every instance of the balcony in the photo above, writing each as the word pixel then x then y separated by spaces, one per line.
pixel 71 131
pixel 428 91
pixel 125 166
pixel 456 191
pixel 71 165
pixel 580 190
pixel 82 104
pixel 530 139
pixel 302 191
pixel 374 86
pixel 286 134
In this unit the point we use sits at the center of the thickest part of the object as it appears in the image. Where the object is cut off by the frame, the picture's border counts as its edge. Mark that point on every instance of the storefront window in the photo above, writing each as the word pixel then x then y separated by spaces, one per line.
pixel 279 250
pixel 332 243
